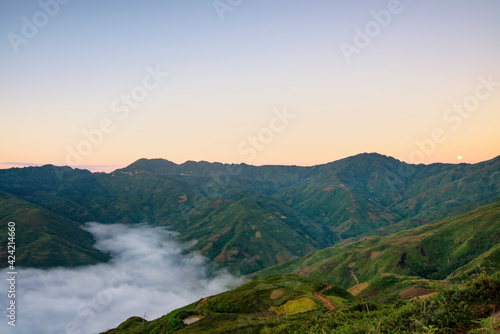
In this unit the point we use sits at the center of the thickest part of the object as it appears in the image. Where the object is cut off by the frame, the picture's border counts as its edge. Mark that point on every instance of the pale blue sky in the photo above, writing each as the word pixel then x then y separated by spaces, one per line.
pixel 227 76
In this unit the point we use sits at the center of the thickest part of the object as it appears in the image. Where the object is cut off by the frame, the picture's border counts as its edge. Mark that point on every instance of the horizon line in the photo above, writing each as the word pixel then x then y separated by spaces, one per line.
pixel 109 168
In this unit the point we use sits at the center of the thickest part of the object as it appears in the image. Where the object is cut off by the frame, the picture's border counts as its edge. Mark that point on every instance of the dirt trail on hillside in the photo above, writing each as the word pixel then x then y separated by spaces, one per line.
pixel 201 301
pixel 326 301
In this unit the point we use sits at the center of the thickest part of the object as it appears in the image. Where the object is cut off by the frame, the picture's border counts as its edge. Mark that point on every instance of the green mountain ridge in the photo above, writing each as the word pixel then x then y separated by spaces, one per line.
pixel 414 245
pixel 224 206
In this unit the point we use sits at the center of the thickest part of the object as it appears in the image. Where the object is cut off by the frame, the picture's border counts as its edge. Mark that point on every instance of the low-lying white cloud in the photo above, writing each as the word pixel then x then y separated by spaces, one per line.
pixel 149 274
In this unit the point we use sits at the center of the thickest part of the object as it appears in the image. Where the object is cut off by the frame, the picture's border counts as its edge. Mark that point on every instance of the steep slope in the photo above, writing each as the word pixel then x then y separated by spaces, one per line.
pixel 84 196
pixel 323 205
pixel 346 212
pixel 439 188
pixel 351 196
pixel 252 233
pixel 432 251
pixel 246 235
pixel 291 304
pixel 247 308
pixel 365 192
pixel 386 294
pixel 44 239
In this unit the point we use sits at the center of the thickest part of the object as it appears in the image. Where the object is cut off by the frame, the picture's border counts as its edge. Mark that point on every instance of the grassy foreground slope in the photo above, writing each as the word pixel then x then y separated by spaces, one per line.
pixel 248 308
pixel 294 304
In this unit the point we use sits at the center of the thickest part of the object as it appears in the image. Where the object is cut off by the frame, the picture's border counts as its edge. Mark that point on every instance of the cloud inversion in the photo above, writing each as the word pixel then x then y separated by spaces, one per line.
pixel 149 274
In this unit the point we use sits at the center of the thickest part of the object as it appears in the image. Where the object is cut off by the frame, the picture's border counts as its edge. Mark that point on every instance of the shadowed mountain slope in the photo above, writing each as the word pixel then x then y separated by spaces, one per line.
pixel 248 217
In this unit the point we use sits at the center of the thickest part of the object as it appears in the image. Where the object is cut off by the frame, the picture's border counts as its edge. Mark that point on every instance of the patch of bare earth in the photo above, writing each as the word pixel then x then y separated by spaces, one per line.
pixel 327 302
pixel 306 271
pixel 427 295
pixel 192 319
pixel 226 256
pixel 281 258
pixel 374 255
pixel 277 293
pixel 214 238
pixel 207 247
pixel 216 204
pixel 412 292
pixel 201 302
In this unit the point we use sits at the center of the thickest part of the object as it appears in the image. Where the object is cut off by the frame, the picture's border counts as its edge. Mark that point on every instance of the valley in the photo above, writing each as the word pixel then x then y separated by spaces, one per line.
pixel 243 217
pixel 357 245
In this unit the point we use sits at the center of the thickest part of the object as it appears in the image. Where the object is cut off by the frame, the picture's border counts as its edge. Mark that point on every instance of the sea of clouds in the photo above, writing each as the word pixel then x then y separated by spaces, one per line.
pixel 150 274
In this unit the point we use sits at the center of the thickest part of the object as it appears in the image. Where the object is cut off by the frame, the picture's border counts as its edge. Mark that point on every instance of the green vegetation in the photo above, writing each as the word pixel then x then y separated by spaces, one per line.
pixel 293 307
pixel 248 218
pixel 47 239
pixel 385 295
pixel 244 309
pixel 410 248
pixel 253 233
pixel 457 247
pixel 465 308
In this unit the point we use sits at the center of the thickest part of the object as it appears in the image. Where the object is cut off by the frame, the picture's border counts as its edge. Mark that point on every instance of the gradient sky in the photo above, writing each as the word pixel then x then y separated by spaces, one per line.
pixel 227 77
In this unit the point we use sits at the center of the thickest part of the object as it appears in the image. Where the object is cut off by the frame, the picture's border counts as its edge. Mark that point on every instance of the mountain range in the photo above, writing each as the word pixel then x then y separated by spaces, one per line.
pixel 242 217
pixel 366 244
